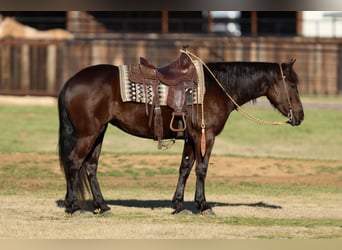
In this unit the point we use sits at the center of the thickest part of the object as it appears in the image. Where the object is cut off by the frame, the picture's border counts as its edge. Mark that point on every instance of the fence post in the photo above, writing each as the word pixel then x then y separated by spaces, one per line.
pixel 25 67
pixel 5 72
pixel 51 68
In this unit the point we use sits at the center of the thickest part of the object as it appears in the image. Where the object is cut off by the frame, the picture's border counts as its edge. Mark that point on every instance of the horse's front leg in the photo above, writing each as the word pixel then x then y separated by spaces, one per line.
pixel 188 159
pixel 201 173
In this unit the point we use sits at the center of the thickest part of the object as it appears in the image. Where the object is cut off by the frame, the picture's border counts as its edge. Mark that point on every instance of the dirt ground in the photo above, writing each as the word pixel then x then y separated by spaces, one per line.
pixel 221 168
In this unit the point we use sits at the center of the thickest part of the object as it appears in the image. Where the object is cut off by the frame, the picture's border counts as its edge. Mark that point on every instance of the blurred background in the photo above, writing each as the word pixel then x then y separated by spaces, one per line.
pixel 39 51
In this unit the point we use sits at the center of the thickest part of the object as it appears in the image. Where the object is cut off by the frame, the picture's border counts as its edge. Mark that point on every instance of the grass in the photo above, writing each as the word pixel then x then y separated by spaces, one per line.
pixel 236 220
pixel 316 138
pixel 270 189
pixel 140 193
pixel 28 128
pixel 35 129
pixel 25 176
pixel 26 172
pixel 264 222
pixel 324 169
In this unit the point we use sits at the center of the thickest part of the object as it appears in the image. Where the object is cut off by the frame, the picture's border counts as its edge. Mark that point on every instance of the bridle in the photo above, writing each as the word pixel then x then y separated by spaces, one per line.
pixel 290 114
pixel 242 111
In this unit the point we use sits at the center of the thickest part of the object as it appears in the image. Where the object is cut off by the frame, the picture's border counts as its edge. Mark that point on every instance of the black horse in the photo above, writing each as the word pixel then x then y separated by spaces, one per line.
pixel 91 100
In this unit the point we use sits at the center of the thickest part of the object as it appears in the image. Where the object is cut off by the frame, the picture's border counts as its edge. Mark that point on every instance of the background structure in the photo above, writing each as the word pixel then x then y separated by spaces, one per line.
pixel 32 66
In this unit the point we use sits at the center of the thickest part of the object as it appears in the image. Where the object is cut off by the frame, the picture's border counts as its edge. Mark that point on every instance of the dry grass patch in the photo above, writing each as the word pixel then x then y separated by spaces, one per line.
pixel 246 193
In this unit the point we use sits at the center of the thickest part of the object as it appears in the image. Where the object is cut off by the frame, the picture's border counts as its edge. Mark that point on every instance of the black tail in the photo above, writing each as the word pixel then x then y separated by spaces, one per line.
pixel 66 143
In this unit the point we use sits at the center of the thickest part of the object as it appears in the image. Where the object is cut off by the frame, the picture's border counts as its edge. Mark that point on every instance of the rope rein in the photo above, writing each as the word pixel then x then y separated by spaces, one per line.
pixel 241 110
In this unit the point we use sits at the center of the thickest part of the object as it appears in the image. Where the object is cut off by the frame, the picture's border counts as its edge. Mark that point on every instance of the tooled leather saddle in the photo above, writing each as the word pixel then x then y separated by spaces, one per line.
pixel 179 76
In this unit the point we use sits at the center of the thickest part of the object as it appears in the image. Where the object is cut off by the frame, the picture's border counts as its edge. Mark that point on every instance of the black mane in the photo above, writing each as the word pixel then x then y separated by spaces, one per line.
pixel 245 78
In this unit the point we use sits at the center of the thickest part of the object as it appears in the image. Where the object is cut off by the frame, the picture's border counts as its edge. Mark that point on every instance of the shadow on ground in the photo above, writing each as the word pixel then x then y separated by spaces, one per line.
pixel 157 204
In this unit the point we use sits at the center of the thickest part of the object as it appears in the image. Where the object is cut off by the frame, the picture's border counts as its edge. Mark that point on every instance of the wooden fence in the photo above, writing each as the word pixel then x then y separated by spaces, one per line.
pixel 33 68
pixel 41 67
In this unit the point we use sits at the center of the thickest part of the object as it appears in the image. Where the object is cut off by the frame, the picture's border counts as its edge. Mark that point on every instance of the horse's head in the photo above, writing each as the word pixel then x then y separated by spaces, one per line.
pixel 284 94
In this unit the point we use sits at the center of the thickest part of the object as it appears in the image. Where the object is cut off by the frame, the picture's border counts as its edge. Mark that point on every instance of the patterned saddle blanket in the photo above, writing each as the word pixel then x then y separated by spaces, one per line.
pixel 138 93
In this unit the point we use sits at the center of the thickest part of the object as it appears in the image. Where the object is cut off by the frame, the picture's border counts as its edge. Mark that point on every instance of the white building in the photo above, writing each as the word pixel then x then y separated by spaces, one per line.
pixel 322 23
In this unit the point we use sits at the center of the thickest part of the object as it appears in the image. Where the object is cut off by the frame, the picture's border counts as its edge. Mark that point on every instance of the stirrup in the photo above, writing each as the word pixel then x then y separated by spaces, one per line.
pixel 177 129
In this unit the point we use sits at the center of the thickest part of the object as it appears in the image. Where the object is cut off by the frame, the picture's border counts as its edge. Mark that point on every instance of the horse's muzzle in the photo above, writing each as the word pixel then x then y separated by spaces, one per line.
pixel 292 120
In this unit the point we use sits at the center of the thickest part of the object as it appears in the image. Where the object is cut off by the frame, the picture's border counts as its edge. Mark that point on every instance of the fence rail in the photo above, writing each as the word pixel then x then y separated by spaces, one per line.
pixel 41 67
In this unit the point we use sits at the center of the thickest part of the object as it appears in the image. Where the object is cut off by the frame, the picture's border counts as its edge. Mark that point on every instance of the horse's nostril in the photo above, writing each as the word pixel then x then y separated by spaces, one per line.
pixel 299 121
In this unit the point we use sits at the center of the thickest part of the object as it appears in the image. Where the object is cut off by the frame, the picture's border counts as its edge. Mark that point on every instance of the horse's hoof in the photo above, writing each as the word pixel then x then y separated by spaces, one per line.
pixel 208 212
pixel 100 208
pixel 76 213
pixel 101 211
pixel 182 212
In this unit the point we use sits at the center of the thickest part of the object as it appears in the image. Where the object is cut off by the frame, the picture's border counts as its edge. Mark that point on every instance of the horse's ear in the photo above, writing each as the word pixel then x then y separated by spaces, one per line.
pixel 292 61
pixel 289 65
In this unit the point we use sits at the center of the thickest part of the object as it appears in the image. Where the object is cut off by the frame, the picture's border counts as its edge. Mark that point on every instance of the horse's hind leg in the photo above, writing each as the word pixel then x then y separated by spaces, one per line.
pixel 91 165
pixel 71 197
pixel 77 176
pixel 188 159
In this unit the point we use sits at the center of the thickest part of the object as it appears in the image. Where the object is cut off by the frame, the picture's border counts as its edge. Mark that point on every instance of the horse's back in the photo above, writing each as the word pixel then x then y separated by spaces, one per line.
pixel 93 80
pixel 92 74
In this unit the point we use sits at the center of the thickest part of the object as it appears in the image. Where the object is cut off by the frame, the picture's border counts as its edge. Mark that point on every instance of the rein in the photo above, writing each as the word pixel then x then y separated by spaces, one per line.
pixel 242 111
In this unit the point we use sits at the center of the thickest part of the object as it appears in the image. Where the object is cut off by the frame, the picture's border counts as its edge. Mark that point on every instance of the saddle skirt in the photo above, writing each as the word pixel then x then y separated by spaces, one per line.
pixel 136 92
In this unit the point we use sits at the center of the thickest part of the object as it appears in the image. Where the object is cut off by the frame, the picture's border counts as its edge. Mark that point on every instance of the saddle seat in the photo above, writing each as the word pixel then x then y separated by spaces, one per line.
pixel 179 71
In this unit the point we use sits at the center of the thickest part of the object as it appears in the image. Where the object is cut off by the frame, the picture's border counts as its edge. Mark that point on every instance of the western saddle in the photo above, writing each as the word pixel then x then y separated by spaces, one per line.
pixel 180 76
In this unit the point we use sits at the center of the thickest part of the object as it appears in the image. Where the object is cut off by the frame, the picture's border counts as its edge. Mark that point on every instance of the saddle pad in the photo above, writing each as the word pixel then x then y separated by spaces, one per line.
pixel 135 92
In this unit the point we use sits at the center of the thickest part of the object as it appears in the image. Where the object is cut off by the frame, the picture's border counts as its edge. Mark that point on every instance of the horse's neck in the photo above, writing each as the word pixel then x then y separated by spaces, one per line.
pixel 243 94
